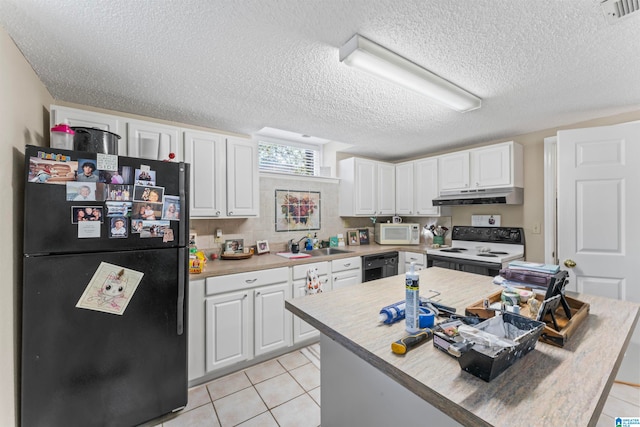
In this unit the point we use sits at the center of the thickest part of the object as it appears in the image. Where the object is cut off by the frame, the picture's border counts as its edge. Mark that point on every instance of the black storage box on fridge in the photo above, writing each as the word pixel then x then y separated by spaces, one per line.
pixel 487 367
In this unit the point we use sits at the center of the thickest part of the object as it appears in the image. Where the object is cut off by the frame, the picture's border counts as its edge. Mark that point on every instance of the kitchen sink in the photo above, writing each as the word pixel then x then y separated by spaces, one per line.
pixel 328 251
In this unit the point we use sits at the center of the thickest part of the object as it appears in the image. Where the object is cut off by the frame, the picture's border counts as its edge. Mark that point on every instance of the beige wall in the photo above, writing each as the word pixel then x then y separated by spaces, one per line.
pixel 24 117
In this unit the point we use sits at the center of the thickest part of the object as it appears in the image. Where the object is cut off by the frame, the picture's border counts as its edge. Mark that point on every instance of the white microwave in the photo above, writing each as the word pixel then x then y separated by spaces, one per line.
pixel 397 234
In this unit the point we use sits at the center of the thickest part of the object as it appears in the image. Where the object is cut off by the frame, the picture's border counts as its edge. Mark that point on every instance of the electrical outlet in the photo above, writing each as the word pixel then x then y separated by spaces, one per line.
pixel 218 235
pixel 536 228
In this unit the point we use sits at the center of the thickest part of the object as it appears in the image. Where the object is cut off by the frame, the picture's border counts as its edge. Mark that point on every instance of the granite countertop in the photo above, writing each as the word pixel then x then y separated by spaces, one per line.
pixel 222 267
pixel 550 386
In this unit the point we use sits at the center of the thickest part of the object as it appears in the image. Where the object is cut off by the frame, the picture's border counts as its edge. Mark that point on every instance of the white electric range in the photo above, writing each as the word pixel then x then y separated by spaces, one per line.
pixel 480 250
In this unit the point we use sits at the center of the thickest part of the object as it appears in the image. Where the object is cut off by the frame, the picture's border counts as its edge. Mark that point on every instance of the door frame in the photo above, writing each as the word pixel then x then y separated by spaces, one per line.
pixel 550 200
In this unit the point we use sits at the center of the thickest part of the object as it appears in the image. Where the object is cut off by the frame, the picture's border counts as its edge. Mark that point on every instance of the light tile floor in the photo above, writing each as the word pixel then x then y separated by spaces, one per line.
pixel 281 392
pixel 285 392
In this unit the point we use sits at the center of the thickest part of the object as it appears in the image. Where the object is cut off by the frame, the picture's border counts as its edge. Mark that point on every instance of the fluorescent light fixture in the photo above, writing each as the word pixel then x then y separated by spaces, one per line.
pixel 379 61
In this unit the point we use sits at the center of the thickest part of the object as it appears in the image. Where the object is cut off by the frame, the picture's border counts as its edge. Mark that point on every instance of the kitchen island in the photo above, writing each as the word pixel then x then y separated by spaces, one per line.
pixel 364 383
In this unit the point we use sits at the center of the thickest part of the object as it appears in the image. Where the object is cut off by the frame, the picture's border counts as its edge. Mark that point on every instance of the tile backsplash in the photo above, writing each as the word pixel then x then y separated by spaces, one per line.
pixel 264 227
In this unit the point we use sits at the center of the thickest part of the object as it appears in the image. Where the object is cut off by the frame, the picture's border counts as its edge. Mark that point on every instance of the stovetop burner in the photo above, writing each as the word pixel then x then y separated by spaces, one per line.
pixel 488 245
pixel 455 250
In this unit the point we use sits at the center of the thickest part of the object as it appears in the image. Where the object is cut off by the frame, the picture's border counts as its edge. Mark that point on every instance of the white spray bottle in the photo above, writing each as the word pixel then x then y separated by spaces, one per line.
pixel 412 300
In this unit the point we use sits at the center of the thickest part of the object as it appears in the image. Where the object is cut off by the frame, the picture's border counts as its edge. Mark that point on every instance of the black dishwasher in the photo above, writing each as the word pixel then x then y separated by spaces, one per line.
pixel 380 265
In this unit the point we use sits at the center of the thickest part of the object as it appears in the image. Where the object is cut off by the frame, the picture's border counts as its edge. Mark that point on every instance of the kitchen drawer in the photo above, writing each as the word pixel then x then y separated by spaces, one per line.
pixel 300 271
pixel 418 258
pixel 253 279
pixel 345 264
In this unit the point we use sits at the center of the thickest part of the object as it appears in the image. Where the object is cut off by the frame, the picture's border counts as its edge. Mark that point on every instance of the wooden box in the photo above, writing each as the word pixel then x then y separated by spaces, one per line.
pixel 566 326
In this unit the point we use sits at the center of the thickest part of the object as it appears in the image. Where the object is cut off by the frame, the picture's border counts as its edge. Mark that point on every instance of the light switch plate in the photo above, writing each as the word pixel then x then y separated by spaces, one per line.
pixel 485 220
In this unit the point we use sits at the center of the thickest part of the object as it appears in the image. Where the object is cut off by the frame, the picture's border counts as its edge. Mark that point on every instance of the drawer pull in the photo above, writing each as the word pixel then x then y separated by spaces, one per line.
pixel 347 264
pixel 251 280
pixel 257 294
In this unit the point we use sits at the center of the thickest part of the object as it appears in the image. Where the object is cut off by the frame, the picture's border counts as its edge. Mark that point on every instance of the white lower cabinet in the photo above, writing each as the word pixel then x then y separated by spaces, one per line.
pixel 302 330
pixel 244 317
pixel 271 321
pixel 227 329
pixel 196 326
pixel 237 317
pixel 346 272
pixel 406 258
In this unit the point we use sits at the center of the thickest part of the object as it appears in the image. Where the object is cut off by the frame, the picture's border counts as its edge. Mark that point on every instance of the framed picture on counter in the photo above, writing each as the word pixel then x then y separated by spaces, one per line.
pixel 235 246
pixel 352 237
pixel 262 246
pixel 363 234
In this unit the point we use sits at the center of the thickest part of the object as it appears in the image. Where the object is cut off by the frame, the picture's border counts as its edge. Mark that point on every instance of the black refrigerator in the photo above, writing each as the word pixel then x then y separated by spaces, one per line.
pixel 104 307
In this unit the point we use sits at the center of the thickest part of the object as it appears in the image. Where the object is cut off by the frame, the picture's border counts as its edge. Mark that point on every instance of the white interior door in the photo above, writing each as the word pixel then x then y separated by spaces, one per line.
pixel 598 182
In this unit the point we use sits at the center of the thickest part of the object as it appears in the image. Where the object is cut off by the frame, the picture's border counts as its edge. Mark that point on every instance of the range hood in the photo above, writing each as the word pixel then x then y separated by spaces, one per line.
pixel 492 196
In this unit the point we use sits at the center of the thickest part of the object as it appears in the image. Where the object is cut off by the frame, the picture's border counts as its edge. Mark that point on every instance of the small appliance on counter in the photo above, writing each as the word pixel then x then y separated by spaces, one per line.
pixel 397 234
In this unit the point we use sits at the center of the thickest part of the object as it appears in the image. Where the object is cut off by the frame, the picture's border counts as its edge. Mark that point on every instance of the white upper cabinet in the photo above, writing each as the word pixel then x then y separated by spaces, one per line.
pixel 426 188
pixel 454 171
pixel 493 166
pixel 499 165
pixel 224 175
pixel 148 140
pixel 367 187
pixel 404 189
pixel 416 187
pixel 386 192
pixel 243 184
pixel 205 152
pixel 90 119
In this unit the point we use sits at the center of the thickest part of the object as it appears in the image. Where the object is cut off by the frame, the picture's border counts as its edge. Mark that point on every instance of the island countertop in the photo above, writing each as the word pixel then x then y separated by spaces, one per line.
pixel 548 387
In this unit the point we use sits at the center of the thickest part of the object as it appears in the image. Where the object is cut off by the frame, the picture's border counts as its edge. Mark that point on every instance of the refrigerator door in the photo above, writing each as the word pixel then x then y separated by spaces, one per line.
pixel 83 367
pixel 49 227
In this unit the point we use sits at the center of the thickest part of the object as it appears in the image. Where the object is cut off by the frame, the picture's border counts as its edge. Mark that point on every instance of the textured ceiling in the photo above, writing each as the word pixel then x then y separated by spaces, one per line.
pixel 243 65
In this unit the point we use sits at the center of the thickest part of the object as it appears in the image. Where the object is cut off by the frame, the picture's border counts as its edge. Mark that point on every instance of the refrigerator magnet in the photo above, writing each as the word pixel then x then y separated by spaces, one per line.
pixel 115 209
pixel 171 208
pixel 81 191
pixel 107 162
pixel 148 193
pixel 110 289
pixel 89 229
pixel 144 176
pixel 118 228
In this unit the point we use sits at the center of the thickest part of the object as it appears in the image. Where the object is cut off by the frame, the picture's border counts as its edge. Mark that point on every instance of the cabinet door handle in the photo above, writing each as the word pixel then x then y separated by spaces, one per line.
pixel 251 280
pixel 347 265
pixel 217 213
pixel 244 296
pixel 257 293
pixel 230 213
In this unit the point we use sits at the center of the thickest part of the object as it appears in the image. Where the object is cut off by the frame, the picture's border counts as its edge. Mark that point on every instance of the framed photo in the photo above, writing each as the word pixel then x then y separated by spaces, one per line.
pixel 352 237
pixel 235 245
pixel 363 234
pixel 297 210
pixel 262 246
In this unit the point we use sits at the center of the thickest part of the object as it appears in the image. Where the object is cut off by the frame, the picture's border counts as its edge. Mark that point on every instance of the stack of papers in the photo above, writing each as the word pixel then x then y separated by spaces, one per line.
pixel 290 255
pixel 534 266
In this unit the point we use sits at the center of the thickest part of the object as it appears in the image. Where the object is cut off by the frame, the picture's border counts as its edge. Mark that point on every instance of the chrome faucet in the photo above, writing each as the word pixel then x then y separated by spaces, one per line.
pixel 291 244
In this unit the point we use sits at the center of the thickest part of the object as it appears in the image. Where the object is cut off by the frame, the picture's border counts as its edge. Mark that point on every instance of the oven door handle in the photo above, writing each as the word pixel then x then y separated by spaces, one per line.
pixel 492 265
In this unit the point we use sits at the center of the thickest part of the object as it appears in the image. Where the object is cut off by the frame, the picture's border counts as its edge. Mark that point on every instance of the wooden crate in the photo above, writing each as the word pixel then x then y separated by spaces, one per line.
pixel 579 312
